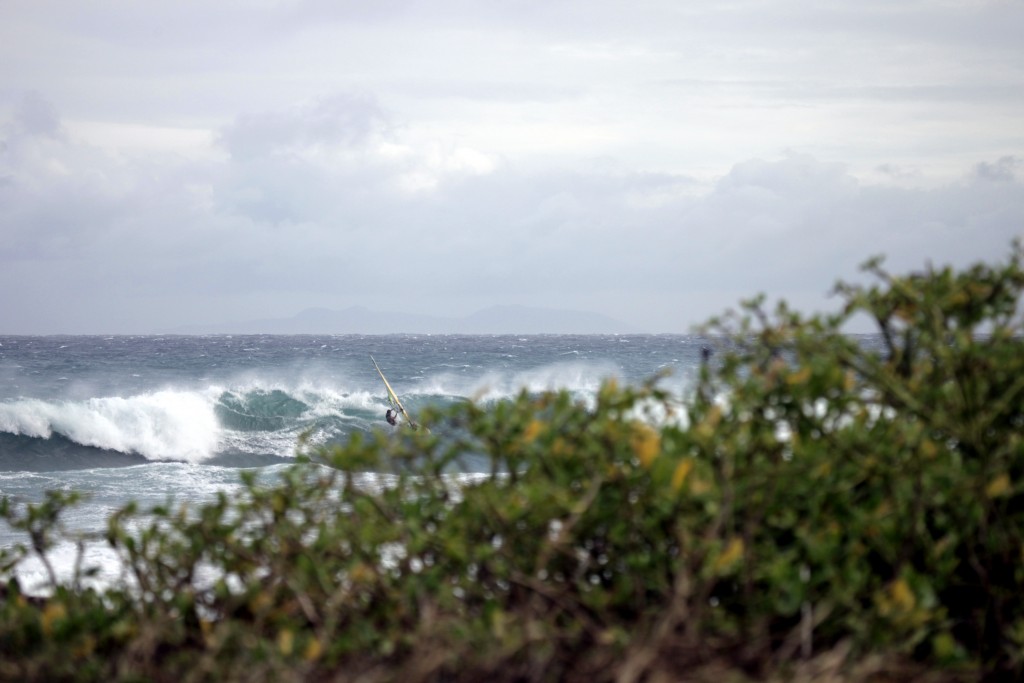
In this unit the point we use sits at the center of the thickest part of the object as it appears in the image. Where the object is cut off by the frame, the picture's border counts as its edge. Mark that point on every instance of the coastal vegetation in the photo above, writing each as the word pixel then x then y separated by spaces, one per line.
pixel 819 506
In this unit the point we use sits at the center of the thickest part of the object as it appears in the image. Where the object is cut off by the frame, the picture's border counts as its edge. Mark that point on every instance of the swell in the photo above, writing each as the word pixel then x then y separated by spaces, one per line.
pixel 57 454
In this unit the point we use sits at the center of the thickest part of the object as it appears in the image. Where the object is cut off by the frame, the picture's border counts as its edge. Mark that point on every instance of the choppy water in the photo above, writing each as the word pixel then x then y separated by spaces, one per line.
pixel 147 418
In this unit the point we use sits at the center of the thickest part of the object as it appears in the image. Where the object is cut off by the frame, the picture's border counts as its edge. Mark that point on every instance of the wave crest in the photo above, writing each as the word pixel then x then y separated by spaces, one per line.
pixel 163 425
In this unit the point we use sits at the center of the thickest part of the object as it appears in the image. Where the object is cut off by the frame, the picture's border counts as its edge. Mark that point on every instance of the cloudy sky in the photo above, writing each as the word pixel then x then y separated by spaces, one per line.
pixel 190 162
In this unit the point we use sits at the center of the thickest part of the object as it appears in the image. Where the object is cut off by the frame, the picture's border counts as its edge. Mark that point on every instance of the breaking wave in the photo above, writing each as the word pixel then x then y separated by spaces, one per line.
pixel 164 425
pixel 253 420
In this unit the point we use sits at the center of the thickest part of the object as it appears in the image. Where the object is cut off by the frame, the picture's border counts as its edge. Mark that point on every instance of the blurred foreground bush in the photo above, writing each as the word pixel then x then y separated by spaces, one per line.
pixel 822 507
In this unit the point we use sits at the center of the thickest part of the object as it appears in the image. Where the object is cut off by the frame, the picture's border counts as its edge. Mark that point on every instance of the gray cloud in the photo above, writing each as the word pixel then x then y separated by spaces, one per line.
pixel 340 120
pixel 34 116
pixel 652 248
pixel 1004 169
pixel 192 163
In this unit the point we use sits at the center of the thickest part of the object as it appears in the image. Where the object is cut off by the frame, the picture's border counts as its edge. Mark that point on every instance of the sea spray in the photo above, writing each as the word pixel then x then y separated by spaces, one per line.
pixel 162 425
pixel 140 418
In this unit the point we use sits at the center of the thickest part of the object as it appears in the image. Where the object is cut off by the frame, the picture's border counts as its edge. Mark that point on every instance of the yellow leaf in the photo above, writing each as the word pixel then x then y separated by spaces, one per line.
pixel 706 429
pixel 714 416
pixel 979 290
pixel 361 573
pixel 905 312
pixel 799 377
pixel 682 470
pixel 260 602
pixel 313 650
pixel 944 645
pixel 901 595
pixel 850 381
pixel 733 552
pixel 498 623
pixel 54 611
pixel 532 431
pixel 646 443
pixel 1000 486
pixel 698 485
pixel 285 642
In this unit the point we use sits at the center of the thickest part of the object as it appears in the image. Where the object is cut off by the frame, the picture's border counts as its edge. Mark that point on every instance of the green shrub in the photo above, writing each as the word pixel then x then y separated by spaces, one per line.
pixel 818 501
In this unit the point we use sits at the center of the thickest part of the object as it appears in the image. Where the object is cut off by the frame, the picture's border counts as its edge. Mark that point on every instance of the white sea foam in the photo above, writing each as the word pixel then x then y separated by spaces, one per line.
pixel 179 484
pixel 163 425
pixel 582 378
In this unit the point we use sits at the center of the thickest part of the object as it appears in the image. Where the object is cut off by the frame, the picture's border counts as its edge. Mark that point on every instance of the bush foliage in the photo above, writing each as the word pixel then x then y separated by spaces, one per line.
pixel 822 505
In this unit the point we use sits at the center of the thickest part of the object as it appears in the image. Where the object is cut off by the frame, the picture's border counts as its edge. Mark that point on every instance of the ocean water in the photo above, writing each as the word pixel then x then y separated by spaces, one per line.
pixel 151 418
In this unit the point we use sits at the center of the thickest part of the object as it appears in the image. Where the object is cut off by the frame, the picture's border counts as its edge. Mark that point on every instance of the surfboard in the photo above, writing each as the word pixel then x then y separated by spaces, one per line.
pixel 393 397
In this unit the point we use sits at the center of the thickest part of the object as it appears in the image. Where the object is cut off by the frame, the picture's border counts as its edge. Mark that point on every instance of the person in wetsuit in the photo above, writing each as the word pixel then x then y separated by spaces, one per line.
pixel 390 417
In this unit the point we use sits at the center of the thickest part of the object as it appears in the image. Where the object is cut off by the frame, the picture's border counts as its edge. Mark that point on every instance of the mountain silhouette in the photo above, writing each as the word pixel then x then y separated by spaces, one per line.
pixel 361 320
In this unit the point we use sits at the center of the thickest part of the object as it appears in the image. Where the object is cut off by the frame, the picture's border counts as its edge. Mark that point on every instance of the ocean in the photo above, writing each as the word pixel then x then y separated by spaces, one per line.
pixel 158 418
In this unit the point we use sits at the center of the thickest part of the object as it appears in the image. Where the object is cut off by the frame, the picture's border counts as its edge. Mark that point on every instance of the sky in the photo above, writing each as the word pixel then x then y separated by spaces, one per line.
pixel 165 164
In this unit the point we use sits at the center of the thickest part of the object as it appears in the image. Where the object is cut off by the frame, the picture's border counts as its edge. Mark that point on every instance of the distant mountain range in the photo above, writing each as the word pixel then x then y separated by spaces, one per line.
pixel 361 320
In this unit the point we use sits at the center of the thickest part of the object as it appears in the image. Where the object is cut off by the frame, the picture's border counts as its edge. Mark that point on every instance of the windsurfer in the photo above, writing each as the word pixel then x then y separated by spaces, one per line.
pixel 390 417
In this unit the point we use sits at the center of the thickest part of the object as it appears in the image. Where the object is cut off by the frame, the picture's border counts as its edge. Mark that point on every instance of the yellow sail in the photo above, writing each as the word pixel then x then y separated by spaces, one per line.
pixel 393 397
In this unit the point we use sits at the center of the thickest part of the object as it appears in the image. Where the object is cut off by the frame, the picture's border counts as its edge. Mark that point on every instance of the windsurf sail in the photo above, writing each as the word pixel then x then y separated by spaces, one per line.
pixel 393 397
